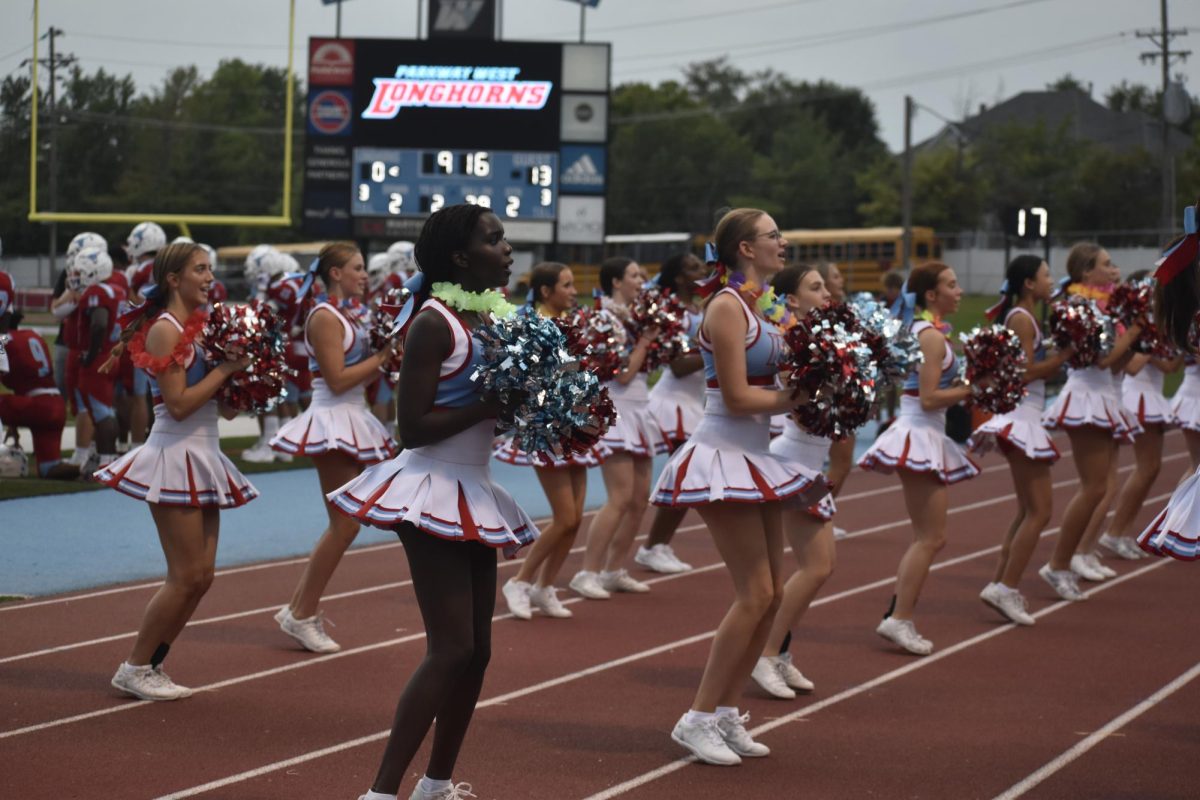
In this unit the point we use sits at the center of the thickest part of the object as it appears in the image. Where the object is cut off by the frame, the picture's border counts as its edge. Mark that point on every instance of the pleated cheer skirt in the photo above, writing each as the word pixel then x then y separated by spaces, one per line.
pixel 797 444
pixel 728 459
pixel 336 422
pixel 677 405
pixel 444 489
pixel 635 432
pixel 1142 398
pixel 180 464
pixel 1020 429
pixel 506 451
pixel 1090 397
pixel 917 442
pixel 1175 532
pixel 1185 405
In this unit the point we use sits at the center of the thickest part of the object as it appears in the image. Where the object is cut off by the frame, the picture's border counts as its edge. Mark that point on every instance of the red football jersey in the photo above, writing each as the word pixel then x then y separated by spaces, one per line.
pixel 142 276
pixel 29 362
pixel 217 293
pixel 283 295
pixel 100 295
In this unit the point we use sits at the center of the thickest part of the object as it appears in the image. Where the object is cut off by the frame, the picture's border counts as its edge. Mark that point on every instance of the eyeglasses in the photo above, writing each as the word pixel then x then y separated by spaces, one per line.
pixel 776 235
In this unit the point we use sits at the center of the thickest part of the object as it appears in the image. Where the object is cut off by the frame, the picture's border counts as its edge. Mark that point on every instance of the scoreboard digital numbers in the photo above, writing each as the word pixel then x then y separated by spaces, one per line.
pixel 417 182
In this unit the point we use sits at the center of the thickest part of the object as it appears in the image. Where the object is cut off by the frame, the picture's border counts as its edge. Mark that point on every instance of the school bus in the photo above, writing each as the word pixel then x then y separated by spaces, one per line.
pixel 862 255
pixel 648 249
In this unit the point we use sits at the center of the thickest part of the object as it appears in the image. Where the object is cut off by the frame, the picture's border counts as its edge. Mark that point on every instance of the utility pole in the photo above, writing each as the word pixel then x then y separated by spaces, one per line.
pixel 906 185
pixel 1162 38
pixel 582 19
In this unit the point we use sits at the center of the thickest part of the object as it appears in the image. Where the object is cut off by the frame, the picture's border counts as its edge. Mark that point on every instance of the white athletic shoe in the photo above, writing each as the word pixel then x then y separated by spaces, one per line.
pixel 680 564
pixel 545 599
pixel 1082 566
pixel 659 559
pixel 79 456
pixel 148 683
pixel 456 791
pixel 1063 582
pixel 839 533
pixel 1130 547
pixel 705 741
pixel 516 594
pixel 1116 546
pixel 904 634
pixel 1093 559
pixel 1008 602
pixel 310 633
pixel 587 584
pixel 260 453
pixel 283 458
pixel 793 677
pixel 621 581
pixel 733 731
pixel 766 674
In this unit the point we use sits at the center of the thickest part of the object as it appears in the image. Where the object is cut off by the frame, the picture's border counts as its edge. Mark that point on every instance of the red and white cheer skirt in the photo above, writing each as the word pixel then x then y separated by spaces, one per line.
pixel 444 489
pixel 336 422
pixel 506 451
pixel 1175 532
pixel 1090 397
pixel 797 444
pixel 1020 429
pixel 635 431
pixel 917 442
pixel 1185 405
pixel 1142 397
pixel 677 404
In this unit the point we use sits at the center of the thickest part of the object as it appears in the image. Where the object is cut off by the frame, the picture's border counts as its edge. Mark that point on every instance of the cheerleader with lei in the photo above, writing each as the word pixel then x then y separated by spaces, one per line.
pixel 438 494
pixel 727 472
pixel 808 528
pixel 552 294
pixel 337 430
pixel 916 444
pixel 1089 408
pixel 629 445
pixel 677 405
pixel 1019 434
pixel 1142 398
pixel 1175 532
pixel 179 470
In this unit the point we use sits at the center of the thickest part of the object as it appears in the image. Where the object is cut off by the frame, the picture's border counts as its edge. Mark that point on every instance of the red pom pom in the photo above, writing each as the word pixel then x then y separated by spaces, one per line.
pixel 592 337
pixel 995 368
pixel 832 360
pixel 664 311
pixel 232 333
pixel 1078 322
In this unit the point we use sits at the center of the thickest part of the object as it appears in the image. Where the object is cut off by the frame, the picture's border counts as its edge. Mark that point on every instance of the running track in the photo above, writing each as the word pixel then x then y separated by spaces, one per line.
pixel 1098 700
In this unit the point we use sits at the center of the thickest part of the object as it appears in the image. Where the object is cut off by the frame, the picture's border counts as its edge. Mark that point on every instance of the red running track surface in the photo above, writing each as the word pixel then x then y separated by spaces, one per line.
pixel 1097 700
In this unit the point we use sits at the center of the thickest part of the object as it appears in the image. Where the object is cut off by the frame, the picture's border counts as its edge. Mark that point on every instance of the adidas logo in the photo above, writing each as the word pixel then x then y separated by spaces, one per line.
pixel 583 172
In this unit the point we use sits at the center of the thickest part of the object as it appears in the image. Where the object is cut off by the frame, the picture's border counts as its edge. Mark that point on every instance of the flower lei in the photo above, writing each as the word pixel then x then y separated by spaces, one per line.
pixel 179 355
pixel 935 321
pixel 489 301
pixel 1098 293
pixel 772 308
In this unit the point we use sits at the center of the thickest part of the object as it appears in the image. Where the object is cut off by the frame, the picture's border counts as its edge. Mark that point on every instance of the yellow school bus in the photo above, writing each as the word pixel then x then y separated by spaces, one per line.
pixel 862 255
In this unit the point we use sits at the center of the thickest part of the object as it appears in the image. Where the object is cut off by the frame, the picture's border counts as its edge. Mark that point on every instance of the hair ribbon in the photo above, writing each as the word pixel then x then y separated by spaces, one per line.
pixel 995 310
pixel 1183 254
pixel 905 305
pixel 309 277
pixel 719 276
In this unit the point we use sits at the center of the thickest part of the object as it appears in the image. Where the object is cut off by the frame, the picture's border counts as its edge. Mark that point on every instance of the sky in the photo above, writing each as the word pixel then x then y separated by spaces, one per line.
pixel 950 55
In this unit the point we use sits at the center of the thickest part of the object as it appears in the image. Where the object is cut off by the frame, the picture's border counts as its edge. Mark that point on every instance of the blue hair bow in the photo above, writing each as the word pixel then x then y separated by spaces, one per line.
pixel 413 286
pixel 710 253
pixel 151 292
pixel 905 305
pixel 1004 287
pixel 529 296
pixel 309 277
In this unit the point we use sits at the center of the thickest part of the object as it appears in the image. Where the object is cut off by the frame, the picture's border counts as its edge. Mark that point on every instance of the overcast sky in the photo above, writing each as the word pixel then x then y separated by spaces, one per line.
pixel 950 55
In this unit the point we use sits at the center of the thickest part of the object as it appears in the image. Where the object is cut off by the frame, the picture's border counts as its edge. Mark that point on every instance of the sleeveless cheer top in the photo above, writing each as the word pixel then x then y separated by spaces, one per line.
pixel 195 368
pixel 764 348
pixel 355 344
pixel 912 384
pixel 455 388
pixel 1035 390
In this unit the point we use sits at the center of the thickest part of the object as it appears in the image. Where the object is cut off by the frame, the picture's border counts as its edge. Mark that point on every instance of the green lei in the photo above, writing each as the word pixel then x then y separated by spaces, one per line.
pixel 489 301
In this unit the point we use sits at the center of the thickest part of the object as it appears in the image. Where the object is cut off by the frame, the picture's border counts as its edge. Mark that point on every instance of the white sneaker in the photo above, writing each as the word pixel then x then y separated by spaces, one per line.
pixel 1063 582
pixel 766 674
pixel 1093 559
pixel 839 533
pixel 1008 602
pixel 545 599
pixel 680 564
pixel 1082 566
pixel 260 453
pixel 793 677
pixel 516 594
pixel 659 559
pixel 705 741
pixel 310 633
pixel 79 456
pixel 1116 546
pixel 283 458
pixel 621 581
pixel 587 584
pixel 456 791
pixel 904 634
pixel 148 683
pixel 1131 550
pixel 733 731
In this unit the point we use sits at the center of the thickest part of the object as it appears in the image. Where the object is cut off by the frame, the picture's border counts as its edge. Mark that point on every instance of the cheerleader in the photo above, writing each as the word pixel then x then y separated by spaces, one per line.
pixel 438 493
pixel 337 430
pixel 1090 409
pixel 841 451
pixel 630 445
pixel 179 470
pixel 677 404
pixel 1185 408
pixel 552 293
pixel 917 447
pixel 809 529
pixel 1019 434
pixel 727 472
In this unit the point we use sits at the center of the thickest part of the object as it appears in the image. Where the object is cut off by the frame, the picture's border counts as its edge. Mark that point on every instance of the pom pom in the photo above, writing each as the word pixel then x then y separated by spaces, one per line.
pixel 593 339
pixel 558 408
pixel 897 352
pixel 994 366
pixel 234 332
pixel 831 360
pixel 382 328
pixel 1132 302
pixel 654 308
pixel 1078 322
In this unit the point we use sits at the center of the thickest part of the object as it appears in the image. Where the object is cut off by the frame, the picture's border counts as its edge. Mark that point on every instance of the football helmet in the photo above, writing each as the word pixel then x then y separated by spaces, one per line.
pixel 145 239
pixel 13 461
pixel 403 257
pixel 82 240
pixel 93 265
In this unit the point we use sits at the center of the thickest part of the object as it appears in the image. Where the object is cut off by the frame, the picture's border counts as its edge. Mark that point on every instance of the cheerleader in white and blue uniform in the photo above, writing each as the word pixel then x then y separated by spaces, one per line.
pixel 179 470
pixel 728 474
pixel 677 405
pixel 1019 434
pixel 1185 408
pixel 916 445
pixel 337 430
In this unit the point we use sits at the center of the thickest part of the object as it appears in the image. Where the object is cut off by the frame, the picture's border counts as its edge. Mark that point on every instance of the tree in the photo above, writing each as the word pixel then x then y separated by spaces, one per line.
pixel 1127 96
pixel 1067 82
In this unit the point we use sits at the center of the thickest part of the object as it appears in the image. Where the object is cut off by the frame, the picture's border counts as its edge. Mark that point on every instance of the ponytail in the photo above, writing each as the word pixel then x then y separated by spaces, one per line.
pixel 1020 269
pixel 134 320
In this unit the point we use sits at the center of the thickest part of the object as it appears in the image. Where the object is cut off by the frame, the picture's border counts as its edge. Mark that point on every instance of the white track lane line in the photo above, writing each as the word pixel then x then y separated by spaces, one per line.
pixel 854 691
pixel 1097 737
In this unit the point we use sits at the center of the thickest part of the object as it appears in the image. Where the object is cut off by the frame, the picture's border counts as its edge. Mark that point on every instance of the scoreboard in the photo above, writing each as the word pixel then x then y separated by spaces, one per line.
pixel 399 128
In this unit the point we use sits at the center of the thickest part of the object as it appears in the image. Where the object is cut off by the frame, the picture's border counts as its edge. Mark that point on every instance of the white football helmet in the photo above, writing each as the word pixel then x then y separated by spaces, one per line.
pixel 212 255
pixel 183 240
pixel 93 265
pixel 145 239
pixel 13 462
pixel 280 264
pixel 378 267
pixel 403 258
pixel 82 240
